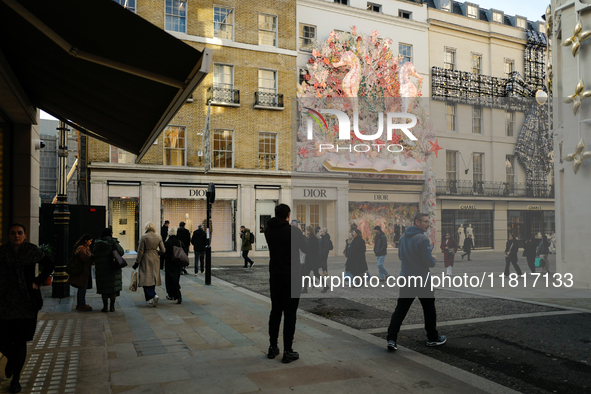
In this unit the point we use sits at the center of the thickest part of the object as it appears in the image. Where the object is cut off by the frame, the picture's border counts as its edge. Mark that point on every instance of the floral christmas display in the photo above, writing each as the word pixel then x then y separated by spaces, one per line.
pixel 362 76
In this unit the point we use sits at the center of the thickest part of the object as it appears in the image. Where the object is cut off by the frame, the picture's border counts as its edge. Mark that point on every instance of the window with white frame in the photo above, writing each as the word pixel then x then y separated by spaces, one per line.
pixel 374 7
pixel 267 30
pixel 176 16
pixel 472 11
pixel 223 83
pixel 497 17
pixel 118 155
pixel 445 5
pixel 128 4
pixel 477 173
pixel 510 123
pixel 174 146
pixel 510 169
pixel 343 2
pixel 267 81
pixel 223 151
pixel 476 63
pixel 223 22
pixel 450 59
pixel 450 116
pixel 509 66
pixel 521 23
pixel 307 37
pixel 477 120
pixel 451 168
pixel 268 151
pixel 405 14
pixel 405 50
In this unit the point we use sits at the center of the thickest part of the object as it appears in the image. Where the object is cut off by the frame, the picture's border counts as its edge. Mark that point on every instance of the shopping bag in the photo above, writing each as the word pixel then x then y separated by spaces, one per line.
pixel 538 262
pixel 133 282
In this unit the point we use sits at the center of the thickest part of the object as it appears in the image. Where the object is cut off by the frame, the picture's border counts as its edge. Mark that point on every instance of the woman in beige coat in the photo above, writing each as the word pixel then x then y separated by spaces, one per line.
pixel 148 260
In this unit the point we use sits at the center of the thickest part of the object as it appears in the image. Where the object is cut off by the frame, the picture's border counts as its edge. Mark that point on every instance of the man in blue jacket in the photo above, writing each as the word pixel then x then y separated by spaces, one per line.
pixel 416 257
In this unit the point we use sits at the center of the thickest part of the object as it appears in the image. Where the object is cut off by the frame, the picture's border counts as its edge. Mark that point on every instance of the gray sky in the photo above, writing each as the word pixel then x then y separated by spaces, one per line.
pixel 531 9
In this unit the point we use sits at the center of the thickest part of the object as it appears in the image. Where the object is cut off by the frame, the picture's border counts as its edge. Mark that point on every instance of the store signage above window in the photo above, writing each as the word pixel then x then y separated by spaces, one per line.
pixel 463 206
pixel 316 193
pixel 197 192
pixel 380 197
pixel 534 207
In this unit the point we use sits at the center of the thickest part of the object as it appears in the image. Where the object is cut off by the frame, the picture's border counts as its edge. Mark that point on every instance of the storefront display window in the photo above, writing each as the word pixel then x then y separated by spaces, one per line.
pixel 124 220
pixel 477 222
pixel 524 224
pixel 393 218
pixel 194 212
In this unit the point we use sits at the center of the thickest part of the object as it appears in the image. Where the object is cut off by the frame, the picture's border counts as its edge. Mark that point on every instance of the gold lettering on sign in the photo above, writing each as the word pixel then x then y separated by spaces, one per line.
pixel 534 207
pixel 467 206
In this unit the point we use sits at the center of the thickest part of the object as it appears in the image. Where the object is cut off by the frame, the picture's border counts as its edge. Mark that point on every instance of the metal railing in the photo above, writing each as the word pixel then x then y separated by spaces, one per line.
pixel 492 189
pixel 220 95
pixel 265 99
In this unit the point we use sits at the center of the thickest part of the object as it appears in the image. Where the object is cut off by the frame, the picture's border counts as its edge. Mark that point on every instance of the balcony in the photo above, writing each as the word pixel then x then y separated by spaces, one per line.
pixel 264 100
pixel 223 96
pixel 491 189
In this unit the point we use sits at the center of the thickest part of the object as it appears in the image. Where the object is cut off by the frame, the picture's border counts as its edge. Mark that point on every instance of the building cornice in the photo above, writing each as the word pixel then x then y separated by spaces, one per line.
pixel 197 171
pixel 476 32
pixel 365 14
pixel 233 44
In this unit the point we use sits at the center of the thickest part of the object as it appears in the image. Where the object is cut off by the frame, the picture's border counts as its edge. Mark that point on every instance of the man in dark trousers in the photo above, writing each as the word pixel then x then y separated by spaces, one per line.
pixel 246 246
pixel 198 240
pixel 285 243
pixel 415 254
pixel 185 236
pixel 380 249
pixel 164 235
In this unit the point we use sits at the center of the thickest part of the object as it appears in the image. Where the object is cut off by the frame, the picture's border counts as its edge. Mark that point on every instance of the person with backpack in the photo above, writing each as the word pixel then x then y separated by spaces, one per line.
pixel 172 268
pixel 247 241
pixel 380 249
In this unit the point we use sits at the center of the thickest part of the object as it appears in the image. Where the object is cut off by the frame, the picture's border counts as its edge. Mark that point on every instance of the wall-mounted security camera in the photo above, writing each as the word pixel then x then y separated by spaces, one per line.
pixel 39 144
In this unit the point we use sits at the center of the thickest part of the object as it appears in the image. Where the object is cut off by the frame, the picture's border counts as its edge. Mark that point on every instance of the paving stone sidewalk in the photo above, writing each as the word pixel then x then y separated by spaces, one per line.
pixel 215 342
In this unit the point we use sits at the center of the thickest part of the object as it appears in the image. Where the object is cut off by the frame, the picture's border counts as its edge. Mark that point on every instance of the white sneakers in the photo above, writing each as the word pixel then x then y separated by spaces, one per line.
pixel 154 301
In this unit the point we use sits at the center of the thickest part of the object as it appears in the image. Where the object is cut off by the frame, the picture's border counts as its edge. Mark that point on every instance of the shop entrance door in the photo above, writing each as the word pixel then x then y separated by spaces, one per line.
pixel 124 219
pixel 265 210
pixel 307 215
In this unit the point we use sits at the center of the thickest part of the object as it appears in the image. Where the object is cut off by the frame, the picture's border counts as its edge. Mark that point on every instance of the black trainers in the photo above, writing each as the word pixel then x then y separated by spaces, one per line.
pixel 392 346
pixel 273 351
pixel 15 387
pixel 251 264
pixel 289 356
pixel 439 341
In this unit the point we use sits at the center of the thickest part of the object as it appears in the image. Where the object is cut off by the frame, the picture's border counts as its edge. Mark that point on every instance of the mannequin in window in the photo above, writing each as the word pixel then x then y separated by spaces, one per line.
pixel 470 231
pixel 188 223
pixel 461 235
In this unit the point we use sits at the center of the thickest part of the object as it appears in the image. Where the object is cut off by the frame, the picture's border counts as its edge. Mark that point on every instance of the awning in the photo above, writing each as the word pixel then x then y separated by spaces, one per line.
pixel 100 67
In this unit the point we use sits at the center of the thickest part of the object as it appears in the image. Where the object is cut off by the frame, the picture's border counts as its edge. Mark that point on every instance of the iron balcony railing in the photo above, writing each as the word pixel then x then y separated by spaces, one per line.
pixel 222 95
pixel 492 189
pixel 264 99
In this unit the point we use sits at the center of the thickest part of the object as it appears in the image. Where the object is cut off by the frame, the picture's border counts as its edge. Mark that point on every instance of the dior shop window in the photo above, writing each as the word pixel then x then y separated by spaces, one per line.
pixel 461 222
pixel 124 216
pixel 194 212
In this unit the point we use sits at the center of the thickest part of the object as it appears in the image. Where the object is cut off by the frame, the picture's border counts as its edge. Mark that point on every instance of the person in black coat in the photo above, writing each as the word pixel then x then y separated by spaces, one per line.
pixel 468 246
pixel 356 264
pixel 164 235
pixel 199 241
pixel 172 269
pixel 312 261
pixel 184 236
pixel 324 245
pixel 285 243
pixel 529 252
pixel 511 249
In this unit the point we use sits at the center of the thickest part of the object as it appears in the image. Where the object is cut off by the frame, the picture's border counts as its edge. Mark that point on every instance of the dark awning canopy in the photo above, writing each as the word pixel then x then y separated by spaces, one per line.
pixel 99 67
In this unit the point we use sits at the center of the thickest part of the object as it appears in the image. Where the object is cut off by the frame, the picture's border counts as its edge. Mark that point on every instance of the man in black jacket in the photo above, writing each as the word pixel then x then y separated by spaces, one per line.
pixel 198 240
pixel 185 237
pixel 285 243
pixel 380 249
pixel 164 235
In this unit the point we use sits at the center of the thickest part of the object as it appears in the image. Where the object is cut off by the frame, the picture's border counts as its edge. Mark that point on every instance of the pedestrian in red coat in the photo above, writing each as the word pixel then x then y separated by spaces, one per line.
pixel 449 246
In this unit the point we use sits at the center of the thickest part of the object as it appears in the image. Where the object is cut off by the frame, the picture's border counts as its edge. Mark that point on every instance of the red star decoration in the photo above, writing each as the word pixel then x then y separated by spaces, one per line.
pixel 303 152
pixel 435 147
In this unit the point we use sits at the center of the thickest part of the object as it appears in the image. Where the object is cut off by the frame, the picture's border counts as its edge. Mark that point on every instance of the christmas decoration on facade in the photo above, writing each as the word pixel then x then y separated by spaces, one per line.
pixel 576 99
pixel 578 37
pixel 578 156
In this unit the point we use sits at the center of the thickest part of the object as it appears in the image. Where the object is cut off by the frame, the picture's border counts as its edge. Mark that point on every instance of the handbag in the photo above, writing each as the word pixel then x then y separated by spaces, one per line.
pixel 538 262
pixel 133 282
pixel 75 265
pixel 179 256
pixel 118 261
